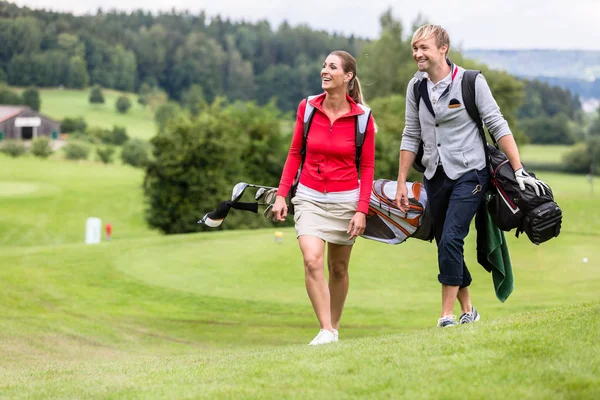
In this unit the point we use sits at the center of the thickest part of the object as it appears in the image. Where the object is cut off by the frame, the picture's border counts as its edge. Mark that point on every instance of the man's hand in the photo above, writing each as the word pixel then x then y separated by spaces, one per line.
pixel 401 199
pixel 523 178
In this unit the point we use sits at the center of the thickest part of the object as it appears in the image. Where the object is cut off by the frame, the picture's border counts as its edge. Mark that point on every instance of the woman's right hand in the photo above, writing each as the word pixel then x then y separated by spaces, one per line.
pixel 280 209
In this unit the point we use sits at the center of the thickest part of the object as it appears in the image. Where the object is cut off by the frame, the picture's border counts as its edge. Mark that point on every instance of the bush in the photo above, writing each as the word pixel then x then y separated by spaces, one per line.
pixel 76 151
pixel 105 154
pixel 118 135
pixel 69 125
pixel 165 113
pixel 13 148
pixel 40 147
pixel 123 104
pixel 135 153
pixel 579 159
pixel 7 96
pixel 31 98
pixel 96 96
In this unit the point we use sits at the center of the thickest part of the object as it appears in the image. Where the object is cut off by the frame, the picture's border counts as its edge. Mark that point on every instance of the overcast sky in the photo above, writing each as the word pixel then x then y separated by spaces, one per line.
pixel 472 24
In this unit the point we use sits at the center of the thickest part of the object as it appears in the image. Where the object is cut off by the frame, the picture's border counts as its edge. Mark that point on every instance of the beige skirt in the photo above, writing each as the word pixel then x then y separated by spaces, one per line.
pixel 328 221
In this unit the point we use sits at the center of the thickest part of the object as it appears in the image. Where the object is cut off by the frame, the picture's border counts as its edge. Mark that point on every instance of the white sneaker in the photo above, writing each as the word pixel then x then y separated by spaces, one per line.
pixel 336 335
pixel 324 337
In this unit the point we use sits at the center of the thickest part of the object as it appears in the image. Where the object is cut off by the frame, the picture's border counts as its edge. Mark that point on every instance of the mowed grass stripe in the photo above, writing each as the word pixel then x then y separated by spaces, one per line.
pixel 532 355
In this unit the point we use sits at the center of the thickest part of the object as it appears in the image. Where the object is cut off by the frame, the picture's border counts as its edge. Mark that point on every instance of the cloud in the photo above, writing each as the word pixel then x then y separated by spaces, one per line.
pixel 506 24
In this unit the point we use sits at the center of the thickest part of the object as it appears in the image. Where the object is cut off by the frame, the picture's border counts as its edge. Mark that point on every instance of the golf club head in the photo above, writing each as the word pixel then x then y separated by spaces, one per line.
pixel 260 193
pixel 213 223
pixel 238 191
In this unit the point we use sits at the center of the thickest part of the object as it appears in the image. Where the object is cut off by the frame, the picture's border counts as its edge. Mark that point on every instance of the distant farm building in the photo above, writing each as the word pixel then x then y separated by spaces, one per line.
pixel 21 122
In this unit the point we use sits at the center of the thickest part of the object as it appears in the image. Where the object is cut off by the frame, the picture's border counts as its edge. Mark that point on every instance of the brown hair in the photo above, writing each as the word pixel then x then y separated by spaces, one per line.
pixel 354 88
pixel 349 65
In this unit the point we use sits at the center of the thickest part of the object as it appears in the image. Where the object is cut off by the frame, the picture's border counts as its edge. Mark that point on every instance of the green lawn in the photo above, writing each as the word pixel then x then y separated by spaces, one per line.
pixel 543 154
pixel 225 314
pixel 61 103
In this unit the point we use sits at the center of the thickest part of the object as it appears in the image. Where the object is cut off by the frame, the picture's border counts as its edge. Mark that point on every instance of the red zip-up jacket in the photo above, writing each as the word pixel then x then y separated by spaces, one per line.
pixel 330 164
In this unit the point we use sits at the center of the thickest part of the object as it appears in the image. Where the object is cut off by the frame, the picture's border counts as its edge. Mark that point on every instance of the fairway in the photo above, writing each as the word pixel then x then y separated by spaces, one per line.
pixel 61 103
pixel 225 314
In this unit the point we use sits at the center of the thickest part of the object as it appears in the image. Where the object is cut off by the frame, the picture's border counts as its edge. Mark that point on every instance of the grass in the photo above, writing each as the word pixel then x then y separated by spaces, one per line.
pixel 46 202
pixel 543 154
pixel 225 314
pixel 61 103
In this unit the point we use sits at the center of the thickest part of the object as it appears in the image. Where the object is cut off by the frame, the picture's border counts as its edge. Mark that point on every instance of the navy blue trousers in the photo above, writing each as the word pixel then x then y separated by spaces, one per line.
pixel 453 204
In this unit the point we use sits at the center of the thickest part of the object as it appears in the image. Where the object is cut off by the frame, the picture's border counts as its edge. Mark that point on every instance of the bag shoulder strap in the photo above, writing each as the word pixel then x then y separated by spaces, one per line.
pixel 309 112
pixel 362 121
pixel 417 93
pixel 468 94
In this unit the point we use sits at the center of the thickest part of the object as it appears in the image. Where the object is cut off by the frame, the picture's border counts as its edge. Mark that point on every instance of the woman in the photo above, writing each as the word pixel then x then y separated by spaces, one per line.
pixel 330 205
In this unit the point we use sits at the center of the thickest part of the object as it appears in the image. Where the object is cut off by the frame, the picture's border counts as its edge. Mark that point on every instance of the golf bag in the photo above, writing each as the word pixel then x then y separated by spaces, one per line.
pixel 387 224
pixel 510 207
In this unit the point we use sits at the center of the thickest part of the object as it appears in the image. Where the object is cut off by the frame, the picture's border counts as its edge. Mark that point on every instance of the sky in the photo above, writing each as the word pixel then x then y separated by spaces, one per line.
pixel 472 24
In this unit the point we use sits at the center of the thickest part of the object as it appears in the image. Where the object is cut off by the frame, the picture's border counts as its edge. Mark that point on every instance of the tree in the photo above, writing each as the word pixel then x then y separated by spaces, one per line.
pixel 31 98
pixel 165 113
pixel 76 151
pixel 193 99
pixel 105 154
pixel 144 94
pixel 123 104
pixel 96 96
pixel 13 148
pixel 118 135
pixel 135 153
pixel 40 147
pixel 69 125
pixel 78 76
pixel 196 160
pixel 7 96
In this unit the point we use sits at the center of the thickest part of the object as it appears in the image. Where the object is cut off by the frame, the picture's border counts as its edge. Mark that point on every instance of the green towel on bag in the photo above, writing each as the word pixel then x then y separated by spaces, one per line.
pixel 492 253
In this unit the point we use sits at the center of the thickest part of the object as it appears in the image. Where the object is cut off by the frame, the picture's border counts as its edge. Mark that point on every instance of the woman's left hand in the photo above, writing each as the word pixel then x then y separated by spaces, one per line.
pixel 357 224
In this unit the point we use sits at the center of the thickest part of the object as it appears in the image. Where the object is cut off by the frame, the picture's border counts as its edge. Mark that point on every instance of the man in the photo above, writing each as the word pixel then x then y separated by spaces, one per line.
pixel 456 177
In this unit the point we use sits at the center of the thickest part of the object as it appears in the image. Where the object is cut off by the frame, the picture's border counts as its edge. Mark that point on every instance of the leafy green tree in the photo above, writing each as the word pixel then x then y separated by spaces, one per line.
pixel 118 135
pixel 548 130
pixel 105 154
pixel 165 113
pixel 40 147
pixel 96 95
pixel 193 99
pixel 78 75
pixel 31 98
pixel 144 94
pixel 136 153
pixel 76 151
pixel 69 125
pixel 7 96
pixel 13 148
pixel 123 104
pixel 196 162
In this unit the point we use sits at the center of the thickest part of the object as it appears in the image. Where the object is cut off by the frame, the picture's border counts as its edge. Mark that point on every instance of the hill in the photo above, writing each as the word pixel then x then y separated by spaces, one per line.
pixel 61 103
pixel 576 70
pixel 224 314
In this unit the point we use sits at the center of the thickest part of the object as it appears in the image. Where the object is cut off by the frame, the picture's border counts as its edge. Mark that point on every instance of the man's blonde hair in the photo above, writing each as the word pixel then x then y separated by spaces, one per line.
pixel 427 31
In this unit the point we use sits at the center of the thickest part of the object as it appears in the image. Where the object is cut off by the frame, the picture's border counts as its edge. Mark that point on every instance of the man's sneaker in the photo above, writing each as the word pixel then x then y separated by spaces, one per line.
pixel 447 321
pixel 336 334
pixel 324 337
pixel 469 317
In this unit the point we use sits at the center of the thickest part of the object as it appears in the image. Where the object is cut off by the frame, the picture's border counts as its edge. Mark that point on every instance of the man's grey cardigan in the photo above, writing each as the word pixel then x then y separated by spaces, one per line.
pixel 451 135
